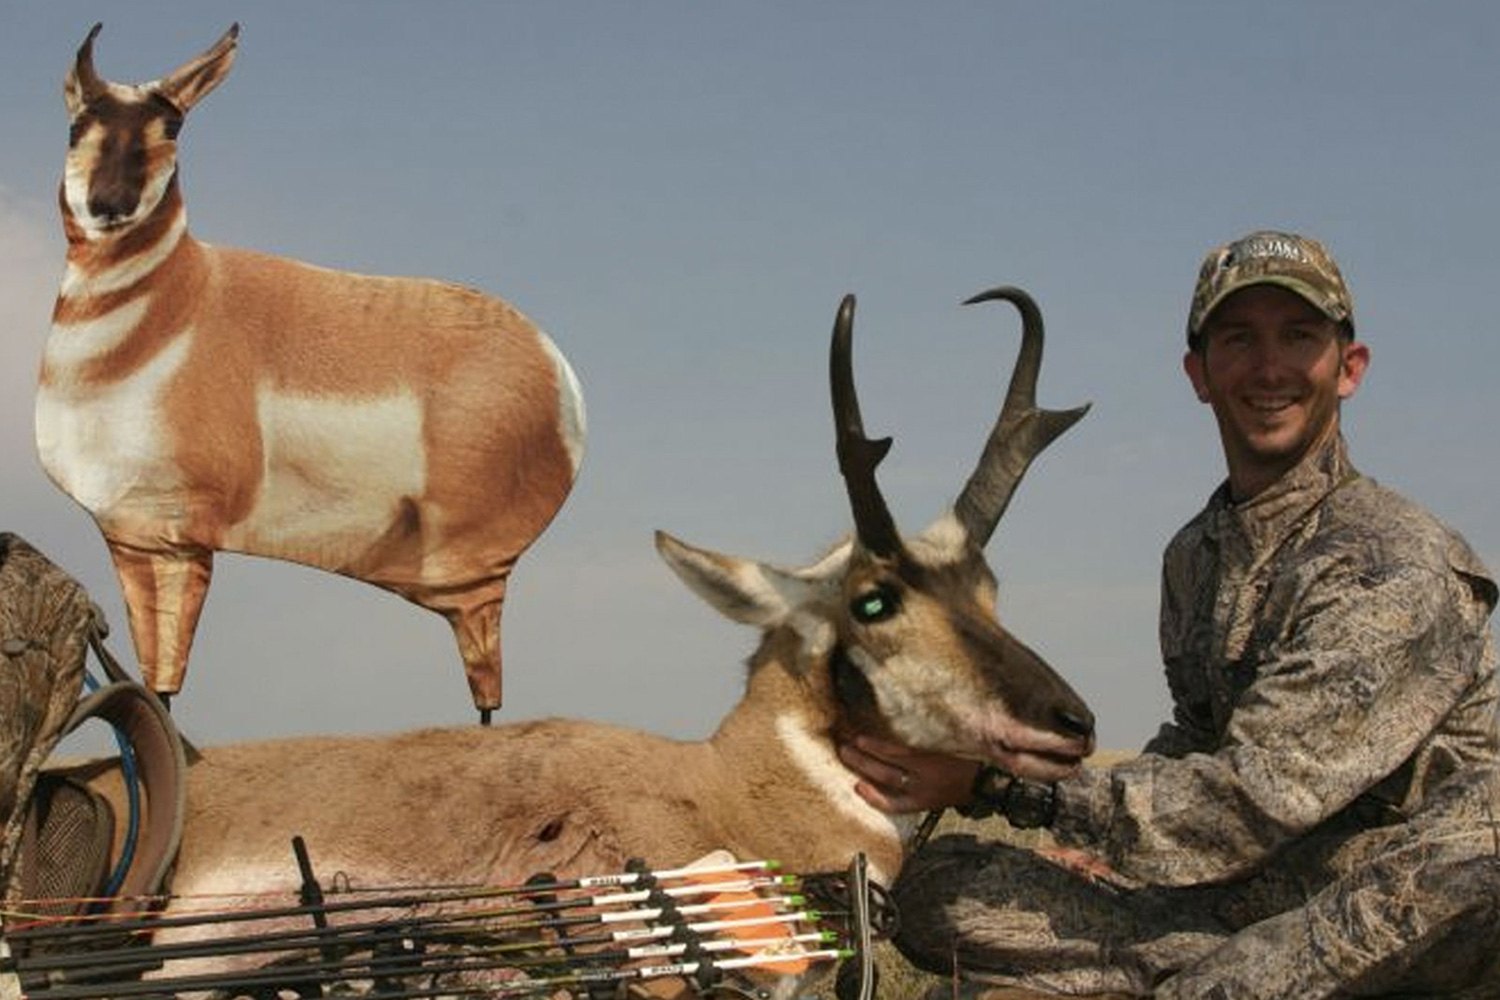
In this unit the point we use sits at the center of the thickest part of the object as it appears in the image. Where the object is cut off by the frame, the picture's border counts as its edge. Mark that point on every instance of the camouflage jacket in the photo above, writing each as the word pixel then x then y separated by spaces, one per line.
pixel 1330 660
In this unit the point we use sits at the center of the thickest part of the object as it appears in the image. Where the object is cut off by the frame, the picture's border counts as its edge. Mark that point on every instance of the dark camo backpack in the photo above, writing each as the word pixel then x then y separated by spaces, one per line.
pixel 57 836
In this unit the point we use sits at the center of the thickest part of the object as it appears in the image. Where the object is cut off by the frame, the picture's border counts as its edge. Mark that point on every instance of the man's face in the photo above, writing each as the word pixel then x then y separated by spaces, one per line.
pixel 1274 370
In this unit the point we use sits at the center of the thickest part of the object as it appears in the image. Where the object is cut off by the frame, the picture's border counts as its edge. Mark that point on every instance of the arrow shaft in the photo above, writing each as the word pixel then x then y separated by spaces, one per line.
pixel 43 929
pixel 399 965
pixel 150 954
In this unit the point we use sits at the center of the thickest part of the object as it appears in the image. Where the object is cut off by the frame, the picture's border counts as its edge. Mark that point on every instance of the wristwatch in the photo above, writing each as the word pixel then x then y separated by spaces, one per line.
pixel 1024 804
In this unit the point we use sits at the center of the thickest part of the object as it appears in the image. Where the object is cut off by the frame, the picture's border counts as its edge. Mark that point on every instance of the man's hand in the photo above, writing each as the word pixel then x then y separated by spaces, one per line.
pixel 898 779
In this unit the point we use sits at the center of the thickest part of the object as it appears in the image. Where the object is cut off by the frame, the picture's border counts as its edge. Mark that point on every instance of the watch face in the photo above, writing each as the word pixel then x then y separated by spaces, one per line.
pixel 995 783
pixel 1030 805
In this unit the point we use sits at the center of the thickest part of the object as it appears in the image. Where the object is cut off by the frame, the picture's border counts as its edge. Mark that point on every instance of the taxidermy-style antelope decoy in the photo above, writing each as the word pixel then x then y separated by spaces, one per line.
pixel 410 433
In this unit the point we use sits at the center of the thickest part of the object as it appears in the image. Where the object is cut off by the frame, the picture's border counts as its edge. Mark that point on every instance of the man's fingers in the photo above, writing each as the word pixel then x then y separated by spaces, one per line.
pixel 886 801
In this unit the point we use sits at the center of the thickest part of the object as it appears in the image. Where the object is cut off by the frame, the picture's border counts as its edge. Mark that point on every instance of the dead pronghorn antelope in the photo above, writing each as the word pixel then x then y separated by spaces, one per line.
pixel 884 634
pixel 412 434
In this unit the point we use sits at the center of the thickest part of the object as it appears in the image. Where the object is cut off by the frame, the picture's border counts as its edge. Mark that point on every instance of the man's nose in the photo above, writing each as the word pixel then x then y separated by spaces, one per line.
pixel 1267 355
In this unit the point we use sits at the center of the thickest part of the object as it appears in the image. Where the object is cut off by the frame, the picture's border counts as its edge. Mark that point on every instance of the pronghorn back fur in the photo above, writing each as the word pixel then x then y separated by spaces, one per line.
pixel 413 434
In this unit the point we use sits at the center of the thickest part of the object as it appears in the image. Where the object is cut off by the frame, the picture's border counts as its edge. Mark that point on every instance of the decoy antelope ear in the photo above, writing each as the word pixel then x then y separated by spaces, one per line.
pixel 189 83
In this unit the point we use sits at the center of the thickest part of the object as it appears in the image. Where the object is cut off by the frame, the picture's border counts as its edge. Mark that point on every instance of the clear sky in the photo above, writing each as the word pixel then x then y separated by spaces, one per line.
pixel 680 192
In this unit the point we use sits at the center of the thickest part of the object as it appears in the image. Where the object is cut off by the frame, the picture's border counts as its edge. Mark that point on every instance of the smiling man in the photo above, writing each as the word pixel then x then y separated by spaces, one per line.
pixel 1319 818
pixel 1275 311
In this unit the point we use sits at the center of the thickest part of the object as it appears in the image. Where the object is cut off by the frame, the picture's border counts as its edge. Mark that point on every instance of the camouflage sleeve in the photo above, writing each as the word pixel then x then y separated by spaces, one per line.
pixel 1190 729
pixel 1185 734
pixel 1368 671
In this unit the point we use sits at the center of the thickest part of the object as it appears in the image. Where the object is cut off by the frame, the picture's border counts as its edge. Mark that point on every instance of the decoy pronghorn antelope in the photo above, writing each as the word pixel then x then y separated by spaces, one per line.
pixel 193 398
pixel 884 634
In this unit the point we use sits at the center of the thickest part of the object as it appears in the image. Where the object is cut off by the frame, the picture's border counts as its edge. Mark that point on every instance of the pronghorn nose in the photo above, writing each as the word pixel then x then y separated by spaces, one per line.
pixel 1079 723
pixel 108 209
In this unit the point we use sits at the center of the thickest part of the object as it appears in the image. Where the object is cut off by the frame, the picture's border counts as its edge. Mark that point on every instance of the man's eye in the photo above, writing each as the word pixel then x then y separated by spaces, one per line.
pixel 875 605
pixel 1231 337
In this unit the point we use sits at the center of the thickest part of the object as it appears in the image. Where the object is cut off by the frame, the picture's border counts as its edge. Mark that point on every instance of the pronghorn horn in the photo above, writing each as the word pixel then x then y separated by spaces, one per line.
pixel 1021 432
pixel 90 85
pixel 858 455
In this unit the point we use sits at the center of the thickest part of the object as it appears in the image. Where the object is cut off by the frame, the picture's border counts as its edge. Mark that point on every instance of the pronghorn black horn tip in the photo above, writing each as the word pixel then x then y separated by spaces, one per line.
pixel 83 66
pixel 1006 292
pixel 234 31
pixel 86 50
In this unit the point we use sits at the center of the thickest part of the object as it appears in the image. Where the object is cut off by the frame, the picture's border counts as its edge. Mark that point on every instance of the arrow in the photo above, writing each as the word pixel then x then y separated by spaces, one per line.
pixel 44 928
pixel 147 956
pixel 407 965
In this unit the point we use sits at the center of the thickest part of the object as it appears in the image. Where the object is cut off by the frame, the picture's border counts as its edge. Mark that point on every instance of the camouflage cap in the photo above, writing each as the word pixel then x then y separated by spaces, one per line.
pixel 1267 257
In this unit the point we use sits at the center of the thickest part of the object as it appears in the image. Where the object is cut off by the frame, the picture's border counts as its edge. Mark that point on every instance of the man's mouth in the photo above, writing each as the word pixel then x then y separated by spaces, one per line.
pixel 1270 405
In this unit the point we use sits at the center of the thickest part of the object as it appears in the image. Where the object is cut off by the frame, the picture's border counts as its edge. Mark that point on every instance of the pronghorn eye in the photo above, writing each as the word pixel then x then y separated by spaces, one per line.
pixel 875 605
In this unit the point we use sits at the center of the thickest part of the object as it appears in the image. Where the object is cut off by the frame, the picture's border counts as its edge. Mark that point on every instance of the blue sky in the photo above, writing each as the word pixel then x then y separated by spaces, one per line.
pixel 680 193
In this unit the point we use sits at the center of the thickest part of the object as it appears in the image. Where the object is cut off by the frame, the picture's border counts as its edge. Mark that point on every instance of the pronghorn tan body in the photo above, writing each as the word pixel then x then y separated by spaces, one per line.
pixel 883 634
pixel 409 433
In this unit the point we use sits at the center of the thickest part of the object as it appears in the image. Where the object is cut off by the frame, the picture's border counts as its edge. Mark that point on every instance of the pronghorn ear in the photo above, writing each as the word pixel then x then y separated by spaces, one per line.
pixel 189 83
pixel 749 592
